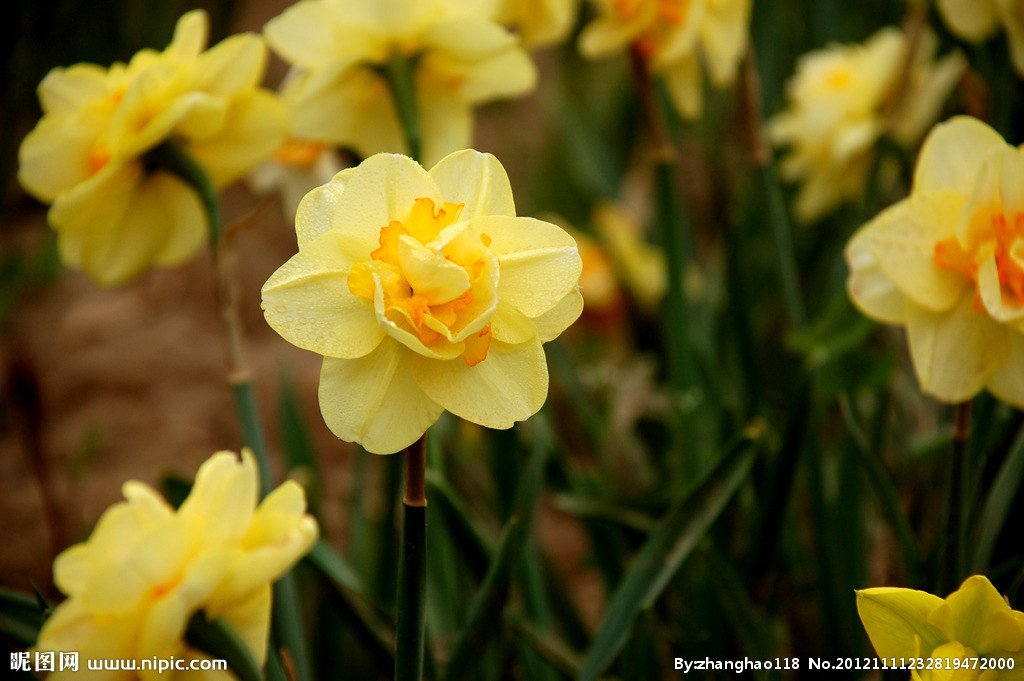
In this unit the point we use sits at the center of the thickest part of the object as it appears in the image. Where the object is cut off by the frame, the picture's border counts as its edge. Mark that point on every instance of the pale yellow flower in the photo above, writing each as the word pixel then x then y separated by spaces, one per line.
pixel 676 37
pixel 146 568
pixel 946 263
pixel 424 292
pixel 461 59
pixel 843 99
pixel 114 211
pixel 978 20
pixel 538 22
pixel 948 635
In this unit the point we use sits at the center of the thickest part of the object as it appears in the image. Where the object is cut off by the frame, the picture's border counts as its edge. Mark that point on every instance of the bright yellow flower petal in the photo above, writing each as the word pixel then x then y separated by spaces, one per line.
pixel 955 352
pixel 509 385
pixel 225 489
pixel 1011 13
pixel 977 616
pixel 231 66
pixel 540 264
pixel 724 38
pixel 250 619
pixel 191 34
pixel 374 400
pixel 952 154
pixel 476 180
pixel 445 117
pixel 58 154
pixel 309 303
pixel 894 617
pixel 552 323
pixel 65 90
pixel 903 238
pixel 685 87
pixel 307 35
pixel 538 22
pixel 870 289
pixel 253 129
pixel 114 225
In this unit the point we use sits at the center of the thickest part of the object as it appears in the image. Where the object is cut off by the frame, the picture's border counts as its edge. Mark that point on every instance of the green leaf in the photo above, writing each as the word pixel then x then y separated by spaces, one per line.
pixel 997 505
pixel 349 587
pixel 21 617
pixel 667 549
pixel 219 640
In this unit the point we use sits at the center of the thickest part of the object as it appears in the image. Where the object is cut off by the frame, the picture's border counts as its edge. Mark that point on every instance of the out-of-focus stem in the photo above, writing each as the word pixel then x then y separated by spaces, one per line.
pixel 782 231
pixel 286 624
pixel 955 563
pixel 399 72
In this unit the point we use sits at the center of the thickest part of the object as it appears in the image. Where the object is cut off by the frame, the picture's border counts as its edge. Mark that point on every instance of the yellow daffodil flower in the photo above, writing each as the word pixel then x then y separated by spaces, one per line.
pixel 843 98
pixel 972 634
pixel 146 569
pixel 946 263
pixel 675 37
pixel 538 22
pixel 978 20
pixel 459 58
pixel 116 212
pixel 424 292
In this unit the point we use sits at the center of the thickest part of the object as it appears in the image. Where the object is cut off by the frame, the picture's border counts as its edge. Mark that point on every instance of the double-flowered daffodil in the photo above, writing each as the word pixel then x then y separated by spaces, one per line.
pixel 116 208
pixel 971 635
pixel 843 98
pixel 457 55
pixel 947 263
pixel 675 37
pixel 978 20
pixel 146 569
pixel 424 292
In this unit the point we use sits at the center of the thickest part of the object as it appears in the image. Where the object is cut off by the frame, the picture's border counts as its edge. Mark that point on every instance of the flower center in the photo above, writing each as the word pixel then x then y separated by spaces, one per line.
pixel 427 290
pixel 299 153
pixel 1003 238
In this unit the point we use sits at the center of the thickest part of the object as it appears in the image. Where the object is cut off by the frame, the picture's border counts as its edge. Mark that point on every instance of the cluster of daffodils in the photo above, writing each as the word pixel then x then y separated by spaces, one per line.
pixel 135 583
pixel 949 635
pixel 95 154
pixel 454 55
pixel 843 99
pixel 978 20
pixel 424 292
pixel 947 263
pixel 675 37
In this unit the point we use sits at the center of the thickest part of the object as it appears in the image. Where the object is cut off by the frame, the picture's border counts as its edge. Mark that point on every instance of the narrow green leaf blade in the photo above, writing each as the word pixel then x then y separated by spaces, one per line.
pixel 219 640
pixel 667 549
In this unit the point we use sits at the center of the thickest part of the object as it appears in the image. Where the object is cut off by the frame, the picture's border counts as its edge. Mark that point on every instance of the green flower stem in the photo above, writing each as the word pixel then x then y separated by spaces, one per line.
pixel 777 215
pixel 954 566
pixel 674 231
pixel 399 73
pixel 412 564
pixel 171 157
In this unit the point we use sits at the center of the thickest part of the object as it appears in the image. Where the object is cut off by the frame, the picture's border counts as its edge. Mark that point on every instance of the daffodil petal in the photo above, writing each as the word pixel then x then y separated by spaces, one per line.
pixel 509 385
pixel 977 616
pixel 1007 382
pixel 308 301
pixel 685 86
pixel 893 617
pixel 954 352
pixel 66 90
pixel 235 64
pixel 254 128
pixel 540 263
pixel 447 120
pixel 903 239
pixel 953 153
pixel 509 325
pixel 57 154
pixel 552 323
pixel 970 19
pixel 374 400
pixel 250 619
pixel 114 225
pixel 870 289
pixel 476 180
